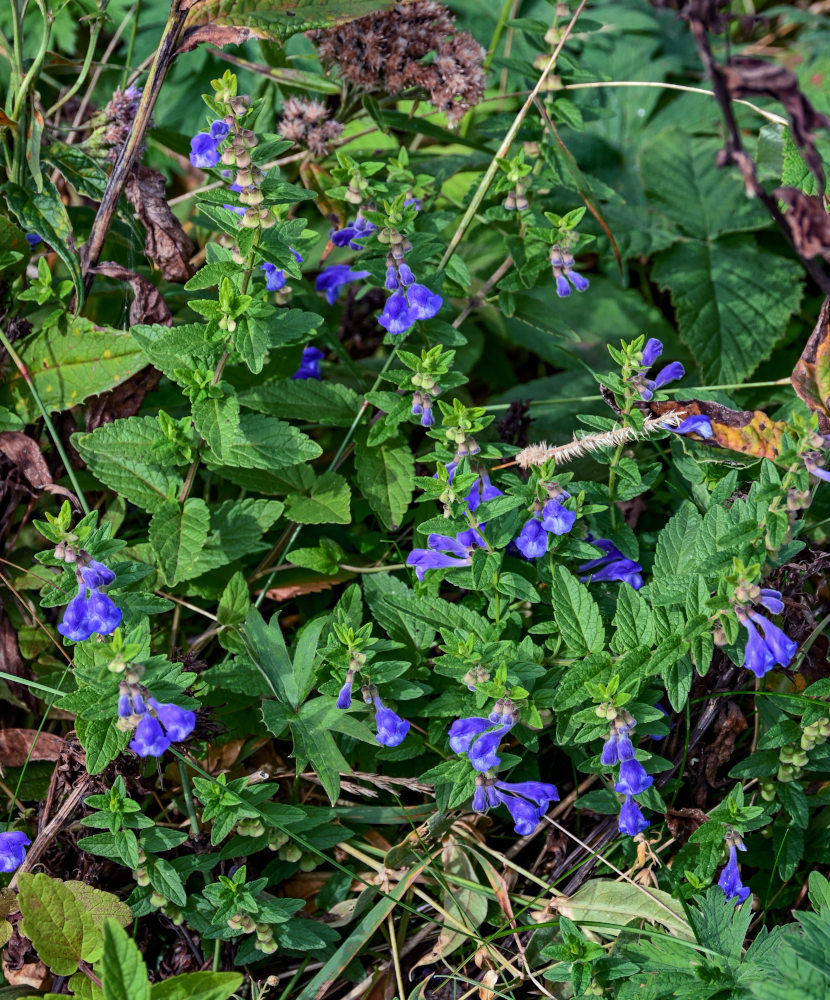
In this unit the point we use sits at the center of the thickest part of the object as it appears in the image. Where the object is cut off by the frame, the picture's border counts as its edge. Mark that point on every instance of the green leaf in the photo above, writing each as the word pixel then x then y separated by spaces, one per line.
pixel 236 529
pixel 328 403
pixel 385 474
pixel 177 348
pixel 611 902
pixel 328 502
pixel 124 974
pixel 166 881
pixel 197 986
pixel 270 654
pixel 305 656
pixel 733 300
pixel 632 620
pixel 280 19
pixel 102 741
pixel 576 614
pixel 54 921
pixel 45 214
pixel 251 341
pixel 67 366
pixel 595 668
pixel 235 601
pixel 265 443
pixel 177 536
pixel 796 173
pixel 217 420
pixel 118 456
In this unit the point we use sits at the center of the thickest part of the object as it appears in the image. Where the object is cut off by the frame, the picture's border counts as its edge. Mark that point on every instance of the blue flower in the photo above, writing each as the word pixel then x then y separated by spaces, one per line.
pixel 219 130
pixel 562 262
pixel 632 779
pixel 274 278
pixel 651 352
pixel 33 239
pixel 391 283
pixel 406 275
pixel 481 491
pixel 556 518
pixel 423 304
pixel 151 740
pixel 771 599
pixel 612 566
pixel 445 552
pixel 610 753
pixel 310 364
pixel 392 729
pixel 781 648
pixel 698 424
pixel 396 317
pixel 203 151
pixel 527 815
pixel 13 846
pixel 351 233
pixel 178 722
pixel 482 754
pixel 96 574
pixel 83 616
pixel 74 625
pixel 631 820
pixel 645 386
pixel 331 279
pixel 103 616
pixel 344 698
pixel 730 878
pixel 464 731
pixel 427 416
pixel 532 541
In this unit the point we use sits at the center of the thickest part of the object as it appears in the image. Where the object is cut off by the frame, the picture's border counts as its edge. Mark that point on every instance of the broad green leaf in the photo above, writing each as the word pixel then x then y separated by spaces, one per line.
pixel 328 403
pixel 269 652
pixel 619 903
pixel 576 614
pixel 313 742
pixel 328 502
pixel 101 740
pixel 53 921
pixel 305 655
pixel 177 536
pixel 733 300
pixel 236 529
pixel 675 557
pixel 197 986
pixel 251 341
pixel 83 171
pixel 124 975
pixel 217 420
pixel 67 366
pixel 45 214
pixel 632 620
pixel 175 348
pixel 166 880
pixel 385 474
pixel 120 456
pixel 234 602
pixel 266 443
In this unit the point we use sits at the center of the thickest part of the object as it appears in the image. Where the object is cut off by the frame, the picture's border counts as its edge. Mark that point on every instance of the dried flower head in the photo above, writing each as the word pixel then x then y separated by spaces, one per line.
pixel 308 124
pixel 118 117
pixel 413 45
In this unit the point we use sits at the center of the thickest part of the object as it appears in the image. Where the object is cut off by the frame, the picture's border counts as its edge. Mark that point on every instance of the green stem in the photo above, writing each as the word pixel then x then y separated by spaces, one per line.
pixel 47 420
pixel 30 76
pixel 95 31
pixel 31 684
pixel 128 62
pixel 187 792
pixel 491 51
pixel 217 948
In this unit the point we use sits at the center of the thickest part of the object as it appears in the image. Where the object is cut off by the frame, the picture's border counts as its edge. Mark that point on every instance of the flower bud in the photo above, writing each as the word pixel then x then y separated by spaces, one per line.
pixel 156 899
pixel 290 852
pixel 248 924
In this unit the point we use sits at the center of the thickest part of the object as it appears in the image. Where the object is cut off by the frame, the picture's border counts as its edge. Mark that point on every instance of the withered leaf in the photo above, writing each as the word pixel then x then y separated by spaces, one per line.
pixel 166 244
pixel 19 745
pixel 214 34
pixel 746 76
pixel 808 222
pixel 148 305
pixel 709 14
pixel 750 432
pixel 23 452
pixel 682 823
pixel 11 661
pixel 811 375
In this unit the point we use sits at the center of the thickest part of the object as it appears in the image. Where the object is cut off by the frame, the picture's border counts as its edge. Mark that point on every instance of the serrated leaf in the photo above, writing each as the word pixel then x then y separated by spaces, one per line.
pixel 217 420
pixel 265 443
pixel 67 366
pixel 124 974
pixel 54 921
pixel 178 347
pixel 576 614
pixel 733 300
pixel 102 742
pixel 234 602
pixel 177 536
pixel 197 986
pixel 632 621
pixel 236 529
pixel 328 502
pixel 385 474
pixel 117 455
pixel 328 403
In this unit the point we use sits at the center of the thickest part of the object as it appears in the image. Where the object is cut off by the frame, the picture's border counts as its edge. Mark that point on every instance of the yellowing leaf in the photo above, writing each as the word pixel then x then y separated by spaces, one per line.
pixel 607 901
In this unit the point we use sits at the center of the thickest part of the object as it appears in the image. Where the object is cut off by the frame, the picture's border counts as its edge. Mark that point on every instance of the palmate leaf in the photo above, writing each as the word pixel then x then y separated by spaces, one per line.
pixel 274 20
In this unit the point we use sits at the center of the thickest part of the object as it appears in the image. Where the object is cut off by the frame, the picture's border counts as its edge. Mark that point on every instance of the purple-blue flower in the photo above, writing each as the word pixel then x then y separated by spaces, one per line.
pixel 632 779
pixel 96 574
pixel 698 424
pixel 351 233
pixel 730 878
pixel 532 540
pixel 33 239
pixel 780 648
pixel 481 491
pixel 150 739
pixel 646 387
pixel 406 276
pixel 618 747
pixel 464 731
pixel 203 151
pixel 103 616
pixel 392 729
pixel 83 616
pixel 482 753
pixel 310 364
pixel 13 846
pixel 445 552
pixel 612 566
pixel 219 130
pixel 331 279
pixel 274 277
pixel 396 317
pixel 631 820
pixel 344 698
pixel 526 814
pixel 556 518
pixel 771 599
pixel 178 722
pixel 562 262
pixel 651 352
pixel 423 304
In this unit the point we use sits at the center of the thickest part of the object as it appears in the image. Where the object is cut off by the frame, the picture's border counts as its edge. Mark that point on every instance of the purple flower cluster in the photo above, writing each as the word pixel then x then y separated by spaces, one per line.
pixel 562 262
pixel 774 646
pixel 632 779
pixel 526 801
pixel 612 566
pixel 730 878
pixel 204 146
pixel 445 552
pixel 358 229
pixel 158 724
pixel 310 364
pixel 409 301
pixel 13 846
pixel 552 519
pixel 86 615
pixel 646 387
pixel 479 738
pixel 331 279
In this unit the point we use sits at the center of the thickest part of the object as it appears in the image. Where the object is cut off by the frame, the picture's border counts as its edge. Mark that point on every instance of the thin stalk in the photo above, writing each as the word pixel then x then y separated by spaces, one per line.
pixel 95 31
pixel 30 76
pixel 187 792
pixel 507 142
pixel 136 11
pixel 217 948
pixel 4 340
pixel 35 685
pixel 491 51
pixel 396 960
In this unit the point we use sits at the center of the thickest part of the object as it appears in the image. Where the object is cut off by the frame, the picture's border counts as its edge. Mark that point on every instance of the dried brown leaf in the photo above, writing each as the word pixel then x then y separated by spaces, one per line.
pixel 148 305
pixel 811 375
pixel 682 823
pixel 19 745
pixel 166 244
pixel 24 452
pixel 750 432
pixel 808 222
